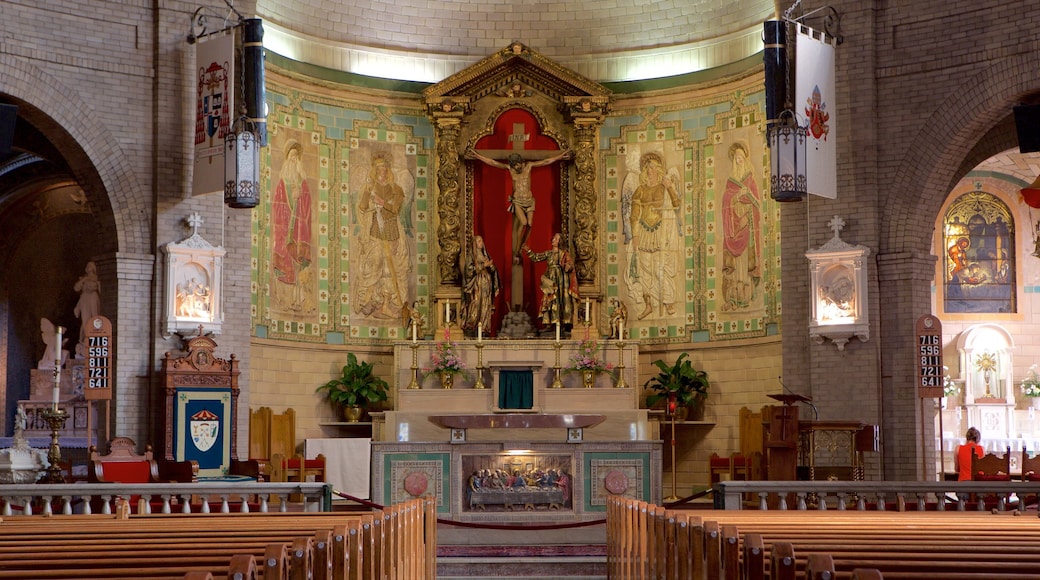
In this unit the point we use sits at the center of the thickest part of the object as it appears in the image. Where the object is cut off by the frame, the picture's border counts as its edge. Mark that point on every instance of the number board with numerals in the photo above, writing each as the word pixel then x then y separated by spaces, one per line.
pixel 97 385
pixel 929 357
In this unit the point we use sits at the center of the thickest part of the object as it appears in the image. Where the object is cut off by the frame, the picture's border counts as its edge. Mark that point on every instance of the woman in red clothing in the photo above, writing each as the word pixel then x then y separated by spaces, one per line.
pixel 964 452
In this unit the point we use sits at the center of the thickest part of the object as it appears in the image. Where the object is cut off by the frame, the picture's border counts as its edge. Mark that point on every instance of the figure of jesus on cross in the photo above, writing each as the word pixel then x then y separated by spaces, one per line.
pixel 521 202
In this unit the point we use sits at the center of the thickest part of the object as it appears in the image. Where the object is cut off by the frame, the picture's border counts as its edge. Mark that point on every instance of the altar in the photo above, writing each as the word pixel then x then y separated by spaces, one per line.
pixel 623 420
pixel 554 455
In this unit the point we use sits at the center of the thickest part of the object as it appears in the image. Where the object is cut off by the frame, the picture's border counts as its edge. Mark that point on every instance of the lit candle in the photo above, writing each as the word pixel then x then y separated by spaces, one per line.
pixel 57 365
pixel 480 332
pixel 587 317
pixel 415 332
pixel 557 332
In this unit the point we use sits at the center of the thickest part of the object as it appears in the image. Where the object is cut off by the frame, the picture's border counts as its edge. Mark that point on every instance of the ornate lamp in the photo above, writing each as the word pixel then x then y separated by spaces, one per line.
pixel 249 133
pixel 786 138
pixel 787 180
pixel 242 165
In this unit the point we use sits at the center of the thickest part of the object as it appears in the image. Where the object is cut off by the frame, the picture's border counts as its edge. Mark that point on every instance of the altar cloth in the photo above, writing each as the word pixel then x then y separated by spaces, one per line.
pixel 347 463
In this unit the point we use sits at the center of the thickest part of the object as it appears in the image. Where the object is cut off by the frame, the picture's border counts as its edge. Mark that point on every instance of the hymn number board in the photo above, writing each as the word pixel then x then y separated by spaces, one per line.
pixel 97 385
pixel 929 357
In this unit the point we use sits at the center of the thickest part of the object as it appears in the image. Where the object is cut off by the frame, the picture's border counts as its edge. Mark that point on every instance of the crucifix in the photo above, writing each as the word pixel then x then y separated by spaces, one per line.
pixel 519 162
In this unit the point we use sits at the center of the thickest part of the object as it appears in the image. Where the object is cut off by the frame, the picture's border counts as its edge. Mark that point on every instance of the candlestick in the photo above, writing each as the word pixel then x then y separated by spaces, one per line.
pixel 480 332
pixel 557 332
pixel 57 365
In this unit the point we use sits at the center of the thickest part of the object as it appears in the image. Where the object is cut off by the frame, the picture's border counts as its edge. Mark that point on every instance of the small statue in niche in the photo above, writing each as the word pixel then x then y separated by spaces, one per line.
pixel 618 318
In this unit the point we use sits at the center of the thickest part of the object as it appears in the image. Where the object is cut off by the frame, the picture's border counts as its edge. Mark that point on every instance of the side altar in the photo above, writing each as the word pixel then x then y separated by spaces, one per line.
pixel 555 456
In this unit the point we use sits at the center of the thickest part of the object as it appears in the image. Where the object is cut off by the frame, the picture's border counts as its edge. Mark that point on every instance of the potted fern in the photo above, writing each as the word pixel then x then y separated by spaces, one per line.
pixel 680 384
pixel 355 389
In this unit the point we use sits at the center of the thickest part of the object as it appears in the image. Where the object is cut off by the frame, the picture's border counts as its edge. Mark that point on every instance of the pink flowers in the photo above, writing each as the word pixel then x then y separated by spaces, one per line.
pixel 446 359
pixel 587 359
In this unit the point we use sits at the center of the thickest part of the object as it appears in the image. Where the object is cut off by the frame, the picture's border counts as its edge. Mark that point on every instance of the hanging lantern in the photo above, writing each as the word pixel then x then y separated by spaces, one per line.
pixel 241 166
pixel 787 139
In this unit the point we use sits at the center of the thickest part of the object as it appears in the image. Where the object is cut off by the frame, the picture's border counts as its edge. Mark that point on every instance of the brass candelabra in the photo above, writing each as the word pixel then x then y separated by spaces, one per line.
pixel 621 383
pixel 415 367
pixel 55 418
pixel 480 367
pixel 557 383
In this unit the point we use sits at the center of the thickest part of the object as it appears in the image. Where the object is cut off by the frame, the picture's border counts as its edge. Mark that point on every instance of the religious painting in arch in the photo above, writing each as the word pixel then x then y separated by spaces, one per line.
pixel 978 255
pixel 381 233
pixel 508 219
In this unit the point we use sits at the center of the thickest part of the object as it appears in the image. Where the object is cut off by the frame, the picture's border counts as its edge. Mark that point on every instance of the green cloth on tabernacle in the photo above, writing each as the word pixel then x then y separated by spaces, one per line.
pixel 516 390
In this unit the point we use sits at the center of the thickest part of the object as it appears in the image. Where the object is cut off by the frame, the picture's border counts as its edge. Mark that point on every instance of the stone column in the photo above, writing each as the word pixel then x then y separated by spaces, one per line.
pixel 904 287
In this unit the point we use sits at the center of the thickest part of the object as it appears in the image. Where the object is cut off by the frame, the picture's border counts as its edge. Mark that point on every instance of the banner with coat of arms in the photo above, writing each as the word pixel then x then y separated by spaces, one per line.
pixel 815 102
pixel 214 93
pixel 202 430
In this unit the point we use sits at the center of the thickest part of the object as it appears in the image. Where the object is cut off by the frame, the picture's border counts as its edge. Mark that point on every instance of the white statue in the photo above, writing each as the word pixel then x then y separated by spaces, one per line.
pixel 48 334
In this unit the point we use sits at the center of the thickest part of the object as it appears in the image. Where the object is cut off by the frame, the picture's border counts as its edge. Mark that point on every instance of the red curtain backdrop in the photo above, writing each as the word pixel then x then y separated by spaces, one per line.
pixel 491 190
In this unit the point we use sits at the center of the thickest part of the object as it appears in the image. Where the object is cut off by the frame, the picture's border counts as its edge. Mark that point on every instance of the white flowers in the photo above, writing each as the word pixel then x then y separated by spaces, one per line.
pixel 1031 384
pixel 949 387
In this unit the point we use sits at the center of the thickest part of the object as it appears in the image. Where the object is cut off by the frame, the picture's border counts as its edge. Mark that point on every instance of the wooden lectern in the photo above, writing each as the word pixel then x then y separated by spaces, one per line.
pixel 780 437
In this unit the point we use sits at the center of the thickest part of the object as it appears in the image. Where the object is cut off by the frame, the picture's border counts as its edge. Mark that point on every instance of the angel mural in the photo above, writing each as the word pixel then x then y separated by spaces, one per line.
pixel 380 265
pixel 652 227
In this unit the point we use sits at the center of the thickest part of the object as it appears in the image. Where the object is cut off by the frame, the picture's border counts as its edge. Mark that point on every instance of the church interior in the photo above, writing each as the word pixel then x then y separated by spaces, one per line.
pixel 519 215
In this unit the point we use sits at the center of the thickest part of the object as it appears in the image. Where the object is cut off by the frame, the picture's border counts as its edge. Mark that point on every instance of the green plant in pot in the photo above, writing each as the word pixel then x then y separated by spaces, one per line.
pixel 687 386
pixel 355 389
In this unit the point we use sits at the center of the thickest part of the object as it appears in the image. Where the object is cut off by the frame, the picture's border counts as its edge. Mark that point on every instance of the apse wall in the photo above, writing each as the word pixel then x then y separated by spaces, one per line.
pixel 333 289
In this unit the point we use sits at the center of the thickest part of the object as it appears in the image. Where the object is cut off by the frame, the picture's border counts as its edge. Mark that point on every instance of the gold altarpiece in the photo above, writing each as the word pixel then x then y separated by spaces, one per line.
pixel 569 110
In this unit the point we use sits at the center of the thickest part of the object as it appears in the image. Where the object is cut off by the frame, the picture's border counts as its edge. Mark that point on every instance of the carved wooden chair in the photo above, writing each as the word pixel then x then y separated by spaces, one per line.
pixel 991 467
pixel 718 467
pixel 123 464
pixel 1030 466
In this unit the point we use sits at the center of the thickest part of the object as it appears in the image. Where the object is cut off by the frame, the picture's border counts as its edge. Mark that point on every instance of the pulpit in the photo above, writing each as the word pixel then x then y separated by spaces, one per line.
pixel 780 438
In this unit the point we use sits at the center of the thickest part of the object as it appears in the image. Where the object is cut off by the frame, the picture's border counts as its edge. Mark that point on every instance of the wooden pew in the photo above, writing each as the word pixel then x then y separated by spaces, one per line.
pixel 296 545
pixel 862 545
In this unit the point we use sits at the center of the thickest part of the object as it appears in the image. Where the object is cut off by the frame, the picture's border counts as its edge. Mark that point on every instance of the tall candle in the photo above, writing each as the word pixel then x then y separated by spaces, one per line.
pixel 57 365
pixel 587 317
pixel 480 332
pixel 415 332
pixel 557 332
pixel 447 313
pixel 621 329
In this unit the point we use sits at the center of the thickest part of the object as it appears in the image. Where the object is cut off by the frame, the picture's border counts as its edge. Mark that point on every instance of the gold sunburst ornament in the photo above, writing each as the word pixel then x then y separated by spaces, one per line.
pixel 987 363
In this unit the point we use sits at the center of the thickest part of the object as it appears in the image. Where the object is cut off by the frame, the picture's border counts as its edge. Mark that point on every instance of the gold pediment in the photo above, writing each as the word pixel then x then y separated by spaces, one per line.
pixel 516 68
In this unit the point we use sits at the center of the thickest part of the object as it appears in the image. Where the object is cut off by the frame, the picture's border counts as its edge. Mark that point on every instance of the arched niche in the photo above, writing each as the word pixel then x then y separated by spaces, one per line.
pixel 986 364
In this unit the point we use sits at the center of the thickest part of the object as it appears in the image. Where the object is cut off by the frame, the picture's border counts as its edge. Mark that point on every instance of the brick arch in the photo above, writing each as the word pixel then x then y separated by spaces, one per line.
pixel 93 154
pixel 920 187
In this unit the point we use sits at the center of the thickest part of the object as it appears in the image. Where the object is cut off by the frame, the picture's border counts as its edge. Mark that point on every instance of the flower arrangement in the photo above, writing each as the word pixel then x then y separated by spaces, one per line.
pixel 950 388
pixel 1031 384
pixel 446 359
pixel 587 358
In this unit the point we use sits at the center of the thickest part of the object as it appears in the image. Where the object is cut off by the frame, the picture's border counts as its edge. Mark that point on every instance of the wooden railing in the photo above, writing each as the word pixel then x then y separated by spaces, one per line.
pixel 207 497
pixel 877 495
